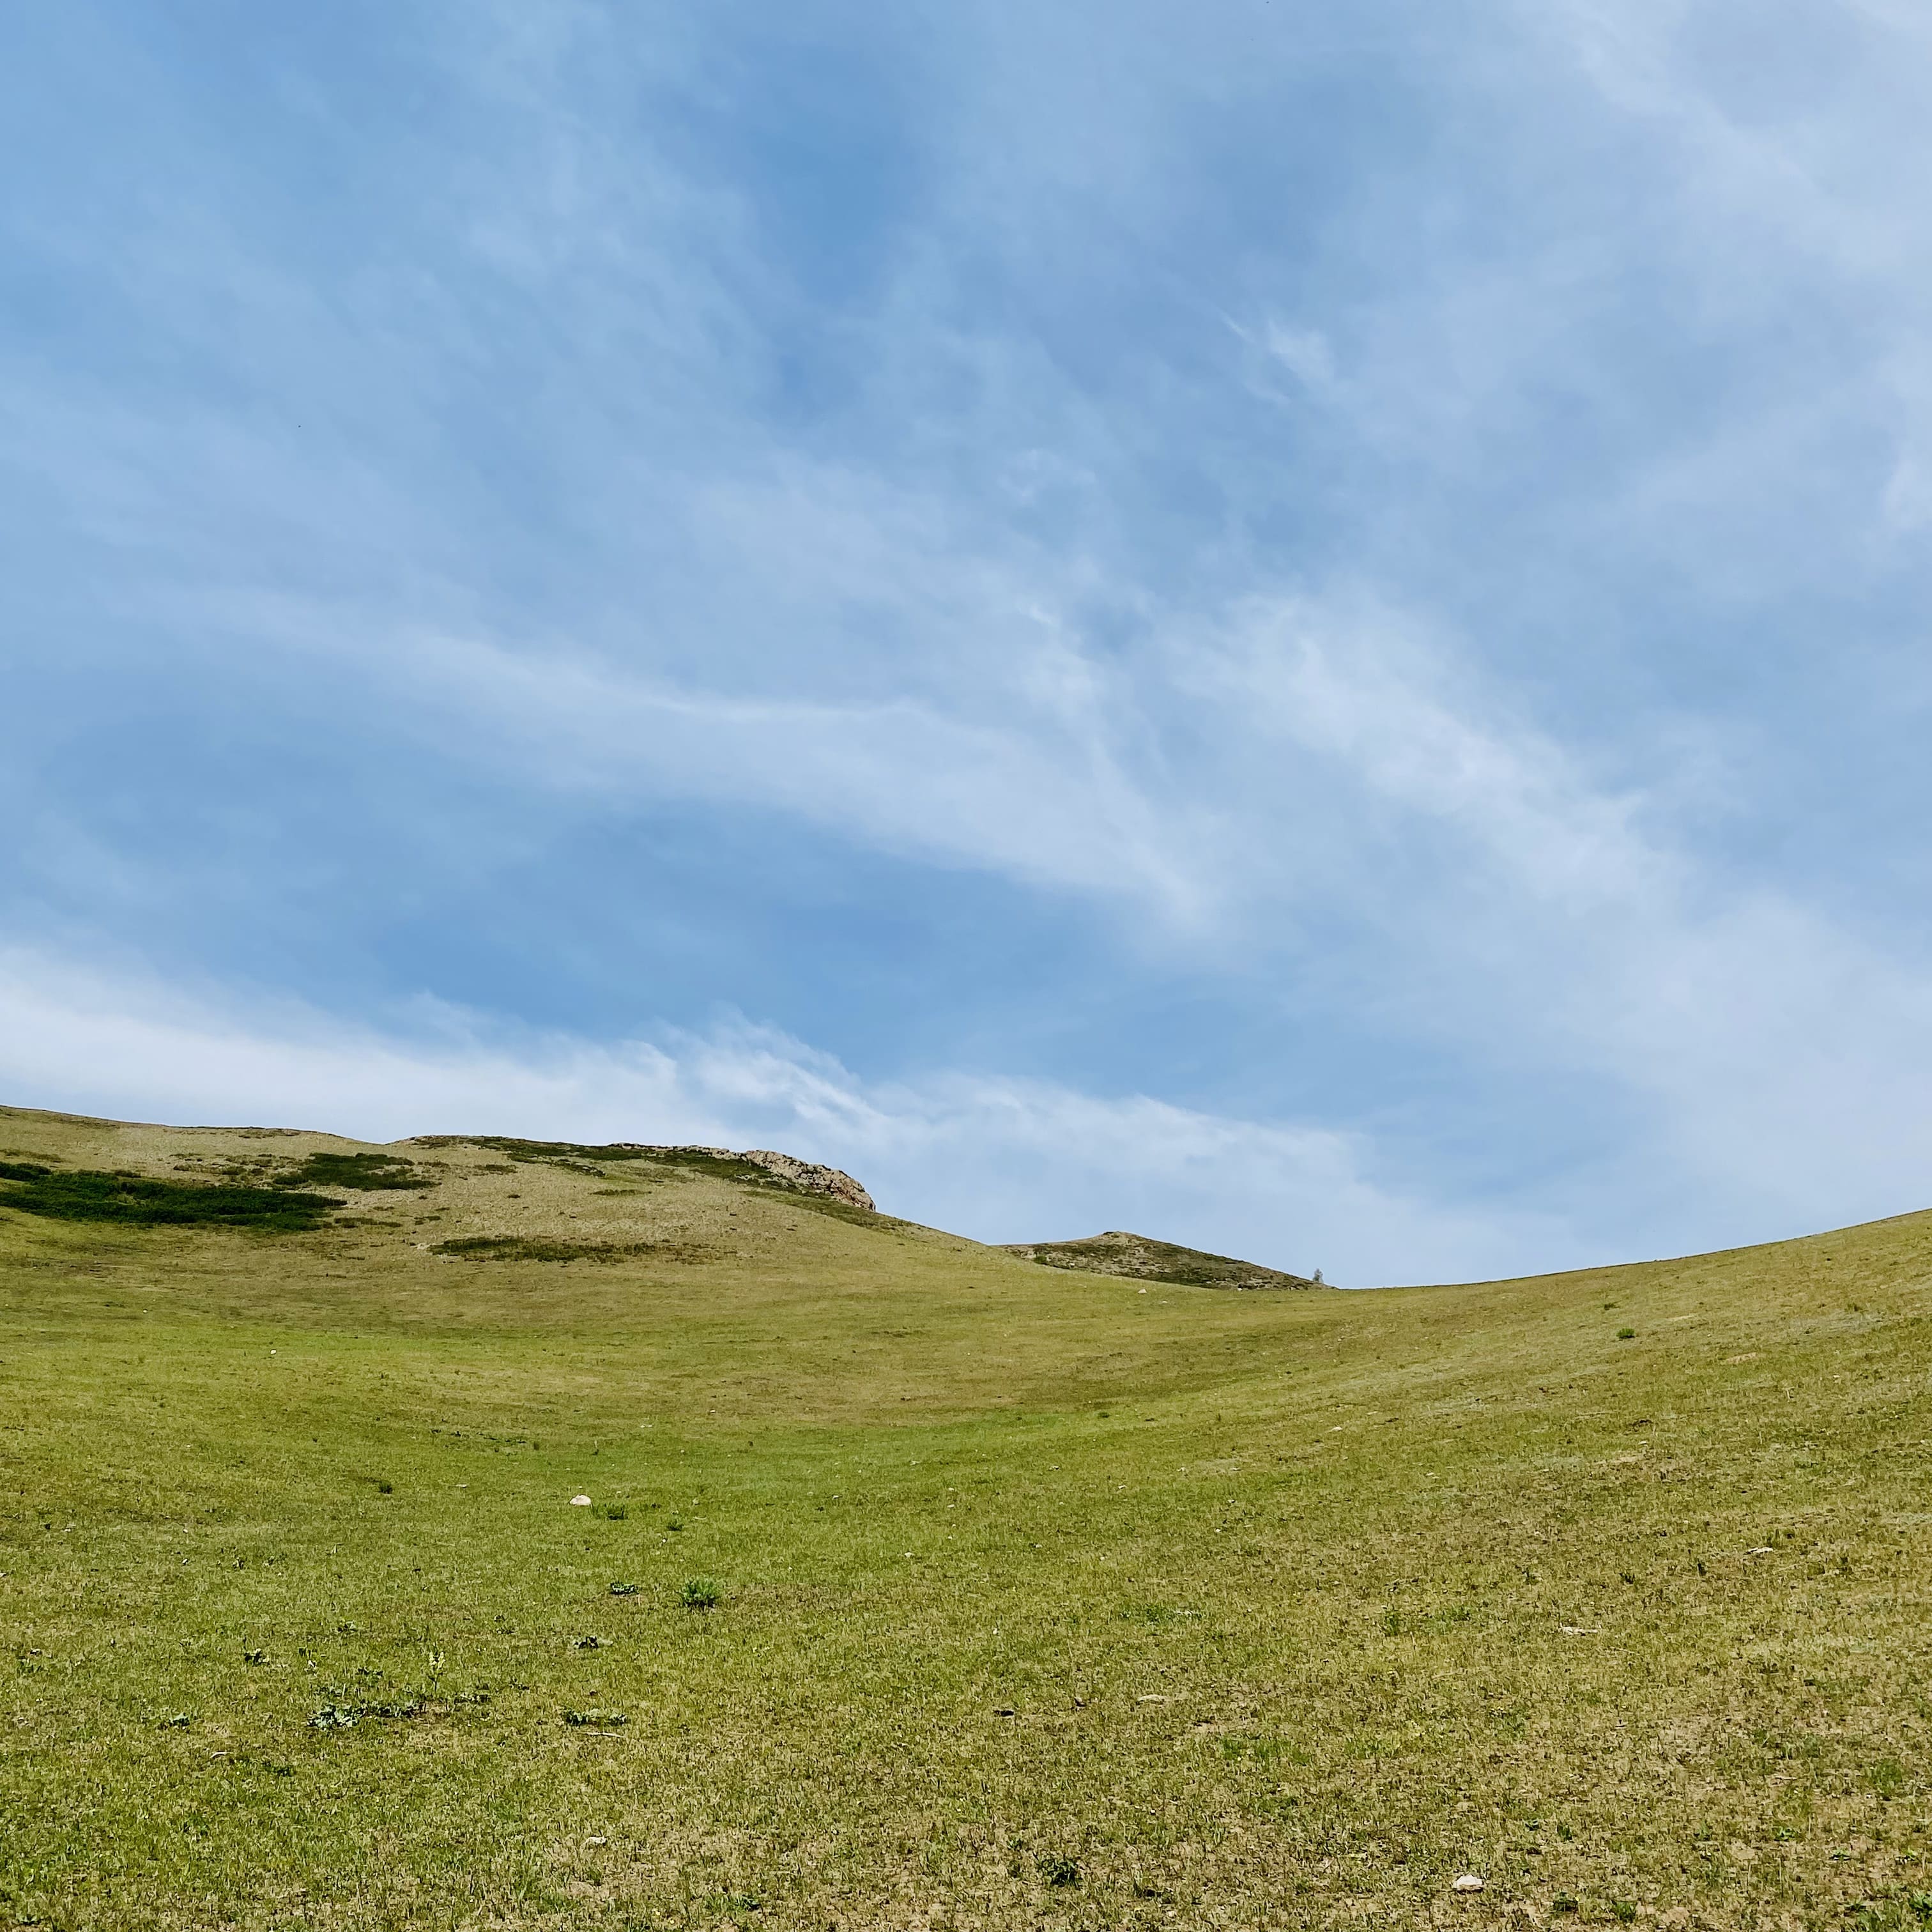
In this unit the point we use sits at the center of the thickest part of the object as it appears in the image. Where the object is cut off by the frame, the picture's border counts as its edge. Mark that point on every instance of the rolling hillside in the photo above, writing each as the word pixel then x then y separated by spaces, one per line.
pixel 571 1537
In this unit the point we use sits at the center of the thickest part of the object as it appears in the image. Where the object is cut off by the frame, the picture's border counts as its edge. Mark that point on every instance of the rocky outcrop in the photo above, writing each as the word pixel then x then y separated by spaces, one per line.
pixel 807 1176
pixel 814 1179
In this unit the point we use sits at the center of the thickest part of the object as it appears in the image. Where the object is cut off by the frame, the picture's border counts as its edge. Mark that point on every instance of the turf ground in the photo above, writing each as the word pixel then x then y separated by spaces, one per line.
pixel 922 1586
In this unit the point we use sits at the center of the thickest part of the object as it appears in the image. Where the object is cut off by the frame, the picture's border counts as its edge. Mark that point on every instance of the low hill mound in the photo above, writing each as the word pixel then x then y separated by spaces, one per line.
pixel 1140 1258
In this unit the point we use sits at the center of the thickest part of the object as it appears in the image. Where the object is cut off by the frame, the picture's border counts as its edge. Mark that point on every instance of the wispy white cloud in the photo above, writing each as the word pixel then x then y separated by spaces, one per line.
pixel 1792 148
pixel 1777 1056
pixel 1048 795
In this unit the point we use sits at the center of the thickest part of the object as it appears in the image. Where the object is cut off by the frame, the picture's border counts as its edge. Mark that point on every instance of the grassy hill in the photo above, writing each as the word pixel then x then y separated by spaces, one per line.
pixel 920 1584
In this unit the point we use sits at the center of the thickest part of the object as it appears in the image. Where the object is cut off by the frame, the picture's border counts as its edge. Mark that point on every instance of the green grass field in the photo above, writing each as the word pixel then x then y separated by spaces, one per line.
pixel 1035 1599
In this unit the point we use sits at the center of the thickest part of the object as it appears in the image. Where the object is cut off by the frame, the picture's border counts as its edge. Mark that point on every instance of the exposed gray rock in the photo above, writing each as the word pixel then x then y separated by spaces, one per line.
pixel 806 1175
pixel 813 1178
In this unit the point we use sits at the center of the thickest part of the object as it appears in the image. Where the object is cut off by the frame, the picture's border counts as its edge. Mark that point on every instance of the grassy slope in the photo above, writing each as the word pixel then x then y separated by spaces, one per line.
pixel 1275 1588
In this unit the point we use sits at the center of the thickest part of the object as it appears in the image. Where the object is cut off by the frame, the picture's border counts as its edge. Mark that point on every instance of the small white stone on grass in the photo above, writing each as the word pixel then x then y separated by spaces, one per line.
pixel 1468 1882
pixel 580 1502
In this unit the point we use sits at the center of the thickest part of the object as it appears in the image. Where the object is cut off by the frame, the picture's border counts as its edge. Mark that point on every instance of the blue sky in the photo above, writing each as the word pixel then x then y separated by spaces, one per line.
pixel 1299 629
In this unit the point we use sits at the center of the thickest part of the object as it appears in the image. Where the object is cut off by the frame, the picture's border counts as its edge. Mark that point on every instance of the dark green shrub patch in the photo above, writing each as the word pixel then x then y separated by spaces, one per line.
pixel 370 1173
pixel 78 1195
